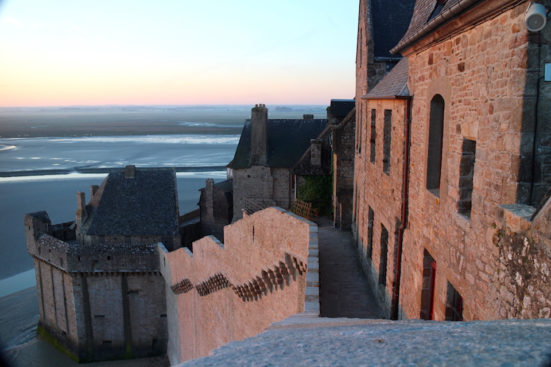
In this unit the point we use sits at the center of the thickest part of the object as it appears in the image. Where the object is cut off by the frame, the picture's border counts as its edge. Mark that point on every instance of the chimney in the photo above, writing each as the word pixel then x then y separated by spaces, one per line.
pixel 259 135
pixel 209 196
pixel 93 190
pixel 81 208
pixel 315 152
pixel 130 172
pixel 307 116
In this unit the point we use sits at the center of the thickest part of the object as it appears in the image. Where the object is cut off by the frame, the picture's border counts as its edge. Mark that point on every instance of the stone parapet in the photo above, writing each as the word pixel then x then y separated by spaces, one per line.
pixel 228 291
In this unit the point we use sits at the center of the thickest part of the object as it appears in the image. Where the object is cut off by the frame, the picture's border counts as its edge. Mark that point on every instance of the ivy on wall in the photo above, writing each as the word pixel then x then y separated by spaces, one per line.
pixel 317 190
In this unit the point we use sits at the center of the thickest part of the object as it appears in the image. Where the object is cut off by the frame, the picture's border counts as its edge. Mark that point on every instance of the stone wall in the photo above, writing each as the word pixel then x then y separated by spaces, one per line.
pixel 380 192
pixel 263 185
pixel 224 292
pixel 343 139
pixel 97 302
pixel 522 288
pixel 484 76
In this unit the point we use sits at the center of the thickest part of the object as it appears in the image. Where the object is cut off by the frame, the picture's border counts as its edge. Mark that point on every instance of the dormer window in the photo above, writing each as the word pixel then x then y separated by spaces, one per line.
pixel 437 9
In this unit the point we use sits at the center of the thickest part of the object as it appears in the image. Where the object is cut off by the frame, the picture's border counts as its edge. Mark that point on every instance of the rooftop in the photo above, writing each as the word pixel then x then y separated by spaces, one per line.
pixel 287 141
pixel 390 19
pixel 394 84
pixel 145 204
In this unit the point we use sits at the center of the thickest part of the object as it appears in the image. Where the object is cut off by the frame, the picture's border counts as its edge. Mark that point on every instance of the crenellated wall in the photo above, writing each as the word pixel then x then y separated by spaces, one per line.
pixel 224 292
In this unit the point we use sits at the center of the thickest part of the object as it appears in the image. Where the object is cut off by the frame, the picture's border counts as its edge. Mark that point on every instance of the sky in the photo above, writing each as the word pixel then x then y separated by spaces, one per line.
pixel 134 52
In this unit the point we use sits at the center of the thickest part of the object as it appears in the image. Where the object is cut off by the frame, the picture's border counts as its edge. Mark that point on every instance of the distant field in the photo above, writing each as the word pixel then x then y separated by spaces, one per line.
pixel 135 120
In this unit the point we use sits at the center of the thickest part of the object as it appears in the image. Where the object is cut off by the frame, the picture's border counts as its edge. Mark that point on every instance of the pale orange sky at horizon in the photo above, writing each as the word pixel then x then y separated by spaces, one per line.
pixel 131 53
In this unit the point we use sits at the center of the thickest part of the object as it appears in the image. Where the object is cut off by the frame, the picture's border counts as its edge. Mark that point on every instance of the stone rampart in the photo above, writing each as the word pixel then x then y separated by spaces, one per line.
pixel 224 292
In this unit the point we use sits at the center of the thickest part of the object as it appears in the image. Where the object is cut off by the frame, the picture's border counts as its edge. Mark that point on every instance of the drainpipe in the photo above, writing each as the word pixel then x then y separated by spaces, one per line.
pixel 403 213
pixel 535 139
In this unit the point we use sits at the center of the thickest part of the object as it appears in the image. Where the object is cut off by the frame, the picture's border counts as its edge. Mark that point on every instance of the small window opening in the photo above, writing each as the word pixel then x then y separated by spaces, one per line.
pixel 436 131
pixel 371 218
pixel 437 9
pixel 466 175
pixel 454 304
pixel 383 257
pixel 427 292
pixel 373 134
pixel 387 133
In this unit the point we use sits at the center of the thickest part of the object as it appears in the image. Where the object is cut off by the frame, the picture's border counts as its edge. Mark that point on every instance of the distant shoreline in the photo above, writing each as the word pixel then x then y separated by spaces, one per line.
pixel 45 172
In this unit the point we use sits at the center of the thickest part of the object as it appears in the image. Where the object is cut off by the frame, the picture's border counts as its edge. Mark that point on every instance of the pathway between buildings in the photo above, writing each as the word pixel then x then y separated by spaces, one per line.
pixel 344 291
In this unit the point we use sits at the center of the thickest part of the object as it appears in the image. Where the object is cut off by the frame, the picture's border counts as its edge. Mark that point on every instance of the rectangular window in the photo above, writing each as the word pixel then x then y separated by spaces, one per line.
pixel 387 132
pixel 383 257
pixel 370 219
pixel 466 175
pixel 359 137
pixel 436 135
pixel 427 292
pixel 454 304
pixel 373 134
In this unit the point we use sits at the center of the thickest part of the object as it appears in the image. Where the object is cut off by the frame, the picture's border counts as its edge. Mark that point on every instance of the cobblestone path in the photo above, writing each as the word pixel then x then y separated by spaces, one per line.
pixel 344 291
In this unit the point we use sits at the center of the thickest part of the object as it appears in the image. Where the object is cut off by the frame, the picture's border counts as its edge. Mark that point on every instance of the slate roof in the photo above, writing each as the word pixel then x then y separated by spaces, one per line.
pixel 341 107
pixel 390 19
pixel 394 84
pixel 287 140
pixel 419 21
pixel 144 205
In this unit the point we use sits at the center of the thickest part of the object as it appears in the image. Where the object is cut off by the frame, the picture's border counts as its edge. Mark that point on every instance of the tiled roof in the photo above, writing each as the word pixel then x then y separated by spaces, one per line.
pixel 287 141
pixel 420 20
pixel 390 19
pixel 144 205
pixel 394 84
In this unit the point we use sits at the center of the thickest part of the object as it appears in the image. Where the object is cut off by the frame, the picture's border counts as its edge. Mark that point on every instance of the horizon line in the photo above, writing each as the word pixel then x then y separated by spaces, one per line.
pixel 166 105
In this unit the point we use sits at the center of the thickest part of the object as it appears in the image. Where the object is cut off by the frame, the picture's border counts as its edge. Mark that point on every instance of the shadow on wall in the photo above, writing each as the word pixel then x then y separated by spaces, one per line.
pixel 224 292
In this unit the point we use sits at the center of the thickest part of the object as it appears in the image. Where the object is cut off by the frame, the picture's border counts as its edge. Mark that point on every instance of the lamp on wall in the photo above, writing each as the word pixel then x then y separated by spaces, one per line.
pixel 536 17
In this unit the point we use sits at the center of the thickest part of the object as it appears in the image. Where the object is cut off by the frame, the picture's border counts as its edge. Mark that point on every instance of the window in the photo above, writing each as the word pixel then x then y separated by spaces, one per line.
pixel 370 219
pixel 437 9
pixel 427 292
pixel 454 305
pixel 466 175
pixel 373 134
pixel 359 129
pixel 387 132
pixel 436 130
pixel 383 258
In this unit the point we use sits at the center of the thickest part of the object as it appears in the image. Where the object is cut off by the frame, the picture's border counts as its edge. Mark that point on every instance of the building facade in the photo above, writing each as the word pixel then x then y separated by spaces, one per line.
pixel 452 216
pixel 101 294
pixel 267 151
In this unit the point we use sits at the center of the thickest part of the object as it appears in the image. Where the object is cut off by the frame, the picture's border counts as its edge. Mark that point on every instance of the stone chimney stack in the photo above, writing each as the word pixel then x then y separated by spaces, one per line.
pixel 315 152
pixel 307 117
pixel 209 195
pixel 259 135
pixel 93 190
pixel 130 172
pixel 81 208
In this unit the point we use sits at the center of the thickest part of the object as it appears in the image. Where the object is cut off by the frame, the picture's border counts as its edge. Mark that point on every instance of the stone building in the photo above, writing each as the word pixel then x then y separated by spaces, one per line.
pixel 451 216
pixel 100 291
pixel 341 116
pixel 267 151
pixel 381 24
pixel 216 208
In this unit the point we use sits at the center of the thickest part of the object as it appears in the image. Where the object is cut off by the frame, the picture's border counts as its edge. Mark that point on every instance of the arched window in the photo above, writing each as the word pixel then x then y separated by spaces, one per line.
pixel 436 131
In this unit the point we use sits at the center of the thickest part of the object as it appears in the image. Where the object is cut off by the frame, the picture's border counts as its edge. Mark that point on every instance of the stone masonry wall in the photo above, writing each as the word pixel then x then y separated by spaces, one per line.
pixel 98 302
pixel 264 185
pixel 379 191
pixel 343 173
pixel 224 292
pixel 482 76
